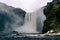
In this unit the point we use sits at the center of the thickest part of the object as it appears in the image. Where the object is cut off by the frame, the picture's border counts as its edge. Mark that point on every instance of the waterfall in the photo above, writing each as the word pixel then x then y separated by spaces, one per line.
pixel 33 22
pixel 30 20
pixel 30 24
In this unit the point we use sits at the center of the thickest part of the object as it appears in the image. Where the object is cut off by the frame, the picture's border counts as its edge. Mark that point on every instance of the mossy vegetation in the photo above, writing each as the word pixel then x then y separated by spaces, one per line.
pixel 52 13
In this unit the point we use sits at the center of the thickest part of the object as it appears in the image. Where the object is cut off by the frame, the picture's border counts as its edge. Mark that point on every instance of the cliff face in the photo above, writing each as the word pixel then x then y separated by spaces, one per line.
pixel 52 12
pixel 8 16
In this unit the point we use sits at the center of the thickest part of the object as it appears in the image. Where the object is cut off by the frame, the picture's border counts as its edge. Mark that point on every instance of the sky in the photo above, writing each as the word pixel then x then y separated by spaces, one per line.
pixel 27 5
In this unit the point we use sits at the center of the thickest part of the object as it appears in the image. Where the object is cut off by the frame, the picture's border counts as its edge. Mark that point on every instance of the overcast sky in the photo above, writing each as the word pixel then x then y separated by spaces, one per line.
pixel 27 5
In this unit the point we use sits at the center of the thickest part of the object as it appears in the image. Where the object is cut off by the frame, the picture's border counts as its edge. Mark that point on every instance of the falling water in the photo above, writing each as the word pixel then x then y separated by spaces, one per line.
pixel 30 20
pixel 33 22
pixel 29 25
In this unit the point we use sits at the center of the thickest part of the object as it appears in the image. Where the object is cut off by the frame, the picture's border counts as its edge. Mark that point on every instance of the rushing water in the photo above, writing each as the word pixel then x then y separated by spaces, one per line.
pixel 30 23
pixel 33 22
pixel 15 19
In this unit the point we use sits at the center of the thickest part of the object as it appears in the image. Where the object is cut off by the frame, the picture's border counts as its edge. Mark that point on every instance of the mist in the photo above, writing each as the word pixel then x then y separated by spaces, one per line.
pixel 13 16
pixel 27 5
pixel 10 18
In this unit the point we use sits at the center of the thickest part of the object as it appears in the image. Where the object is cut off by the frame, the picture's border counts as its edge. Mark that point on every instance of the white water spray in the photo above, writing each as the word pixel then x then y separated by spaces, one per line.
pixel 30 24
pixel 30 18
